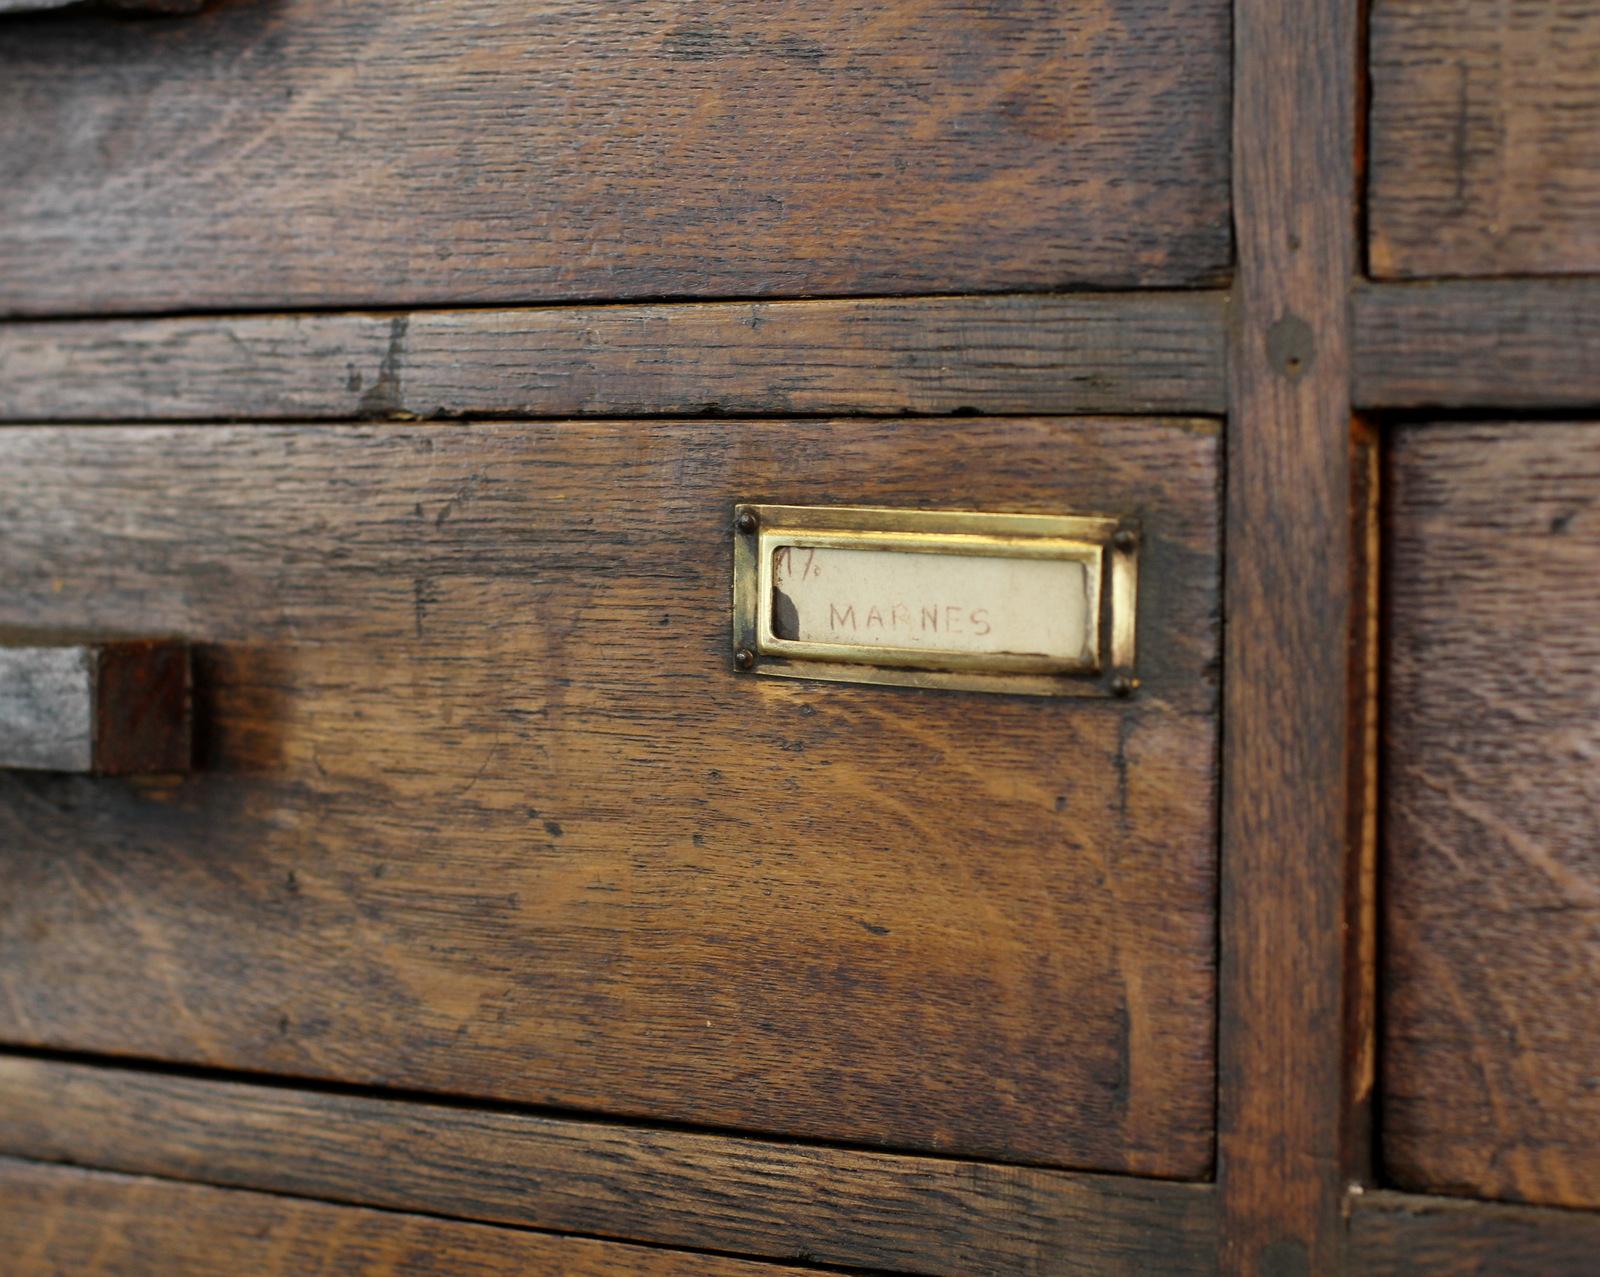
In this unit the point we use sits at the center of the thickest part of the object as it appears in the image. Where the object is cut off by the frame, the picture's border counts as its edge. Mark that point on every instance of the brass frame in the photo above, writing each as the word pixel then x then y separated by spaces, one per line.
pixel 1093 540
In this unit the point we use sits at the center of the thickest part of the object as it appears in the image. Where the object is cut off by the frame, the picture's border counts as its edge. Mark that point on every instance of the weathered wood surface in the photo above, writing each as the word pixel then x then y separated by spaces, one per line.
pixel 1473 344
pixel 1124 353
pixel 58 1220
pixel 1485 137
pixel 108 708
pixel 485 807
pixel 1491 1080
pixel 856 1209
pixel 359 152
pixel 1400 1235
pixel 1288 1042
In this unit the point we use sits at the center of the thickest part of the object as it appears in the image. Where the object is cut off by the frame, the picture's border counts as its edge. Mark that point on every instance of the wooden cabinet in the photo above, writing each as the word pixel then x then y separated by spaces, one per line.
pixel 402 368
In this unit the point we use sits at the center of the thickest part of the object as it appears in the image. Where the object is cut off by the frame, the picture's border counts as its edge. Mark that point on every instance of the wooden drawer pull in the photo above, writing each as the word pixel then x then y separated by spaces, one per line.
pixel 113 708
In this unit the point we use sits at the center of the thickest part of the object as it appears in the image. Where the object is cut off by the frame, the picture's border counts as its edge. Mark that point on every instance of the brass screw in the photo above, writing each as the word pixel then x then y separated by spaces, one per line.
pixel 746 522
pixel 1126 540
pixel 744 658
pixel 1121 685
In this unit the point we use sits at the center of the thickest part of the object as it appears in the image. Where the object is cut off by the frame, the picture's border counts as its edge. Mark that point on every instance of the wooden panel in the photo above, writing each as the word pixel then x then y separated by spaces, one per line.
pixel 486 807
pixel 1398 1235
pixel 1485 137
pixel 1126 353
pixel 1289 1026
pixel 1464 344
pixel 880 1211
pixel 1492 1064
pixel 56 1220
pixel 360 152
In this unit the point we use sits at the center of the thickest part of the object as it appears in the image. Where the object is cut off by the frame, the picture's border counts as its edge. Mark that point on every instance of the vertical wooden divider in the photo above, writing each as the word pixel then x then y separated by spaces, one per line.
pixel 1285 1148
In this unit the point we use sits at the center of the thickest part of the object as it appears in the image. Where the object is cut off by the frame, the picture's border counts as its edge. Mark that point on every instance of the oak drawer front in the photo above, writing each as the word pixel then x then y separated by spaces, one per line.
pixel 1485 138
pixel 57 1220
pixel 484 806
pixel 1492 843
pixel 360 151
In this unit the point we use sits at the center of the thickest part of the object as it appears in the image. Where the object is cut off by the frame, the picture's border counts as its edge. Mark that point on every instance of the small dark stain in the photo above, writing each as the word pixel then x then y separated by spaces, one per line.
pixel 1291 347
pixel 378 871
pixel 872 927
pixel 665 620
pixel 1061 802
pixel 421 596
pixel 808 711
pixel 283 1026
pixel 699 44
pixel 699 840
pixel 383 398
pixel 353 378
pixel 965 410
pixel 1562 522
pixel 291 881
pixel 553 828
pixel 796 48
pixel 533 813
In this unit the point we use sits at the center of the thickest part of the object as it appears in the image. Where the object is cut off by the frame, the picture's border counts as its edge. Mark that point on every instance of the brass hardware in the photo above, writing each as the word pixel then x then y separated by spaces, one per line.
pixel 1039 605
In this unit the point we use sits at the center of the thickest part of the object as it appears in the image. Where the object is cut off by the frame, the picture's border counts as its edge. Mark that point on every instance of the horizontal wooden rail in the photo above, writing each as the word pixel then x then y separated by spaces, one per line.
pixel 777 1200
pixel 1529 344
pixel 1404 1234
pixel 1116 353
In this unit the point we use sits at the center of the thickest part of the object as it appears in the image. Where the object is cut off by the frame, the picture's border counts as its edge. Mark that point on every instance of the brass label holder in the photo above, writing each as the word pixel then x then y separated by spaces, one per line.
pixel 1029 604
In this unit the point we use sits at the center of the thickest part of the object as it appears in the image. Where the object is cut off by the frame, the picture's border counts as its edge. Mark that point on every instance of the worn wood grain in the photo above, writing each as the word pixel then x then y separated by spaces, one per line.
pixel 1401 1235
pixel 1125 353
pixel 358 152
pixel 1476 344
pixel 484 806
pixel 1288 1041
pixel 57 1220
pixel 103 708
pixel 828 1205
pixel 1492 900
pixel 1485 137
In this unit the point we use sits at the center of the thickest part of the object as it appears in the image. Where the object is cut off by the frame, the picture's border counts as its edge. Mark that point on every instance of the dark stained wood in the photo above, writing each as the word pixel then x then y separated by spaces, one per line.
pixel 108 708
pixel 486 808
pixel 57 1220
pixel 1473 343
pixel 1126 353
pixel 1491 1079
pixel 354 153
pixel 857 1209
pixel 1483 139
pixel 1400 1235
pixel 1285 1026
